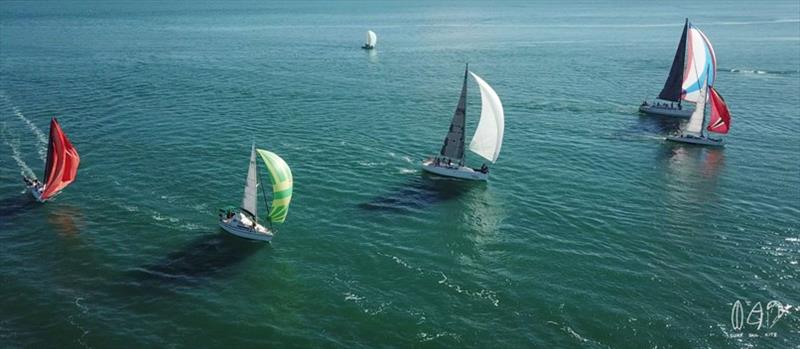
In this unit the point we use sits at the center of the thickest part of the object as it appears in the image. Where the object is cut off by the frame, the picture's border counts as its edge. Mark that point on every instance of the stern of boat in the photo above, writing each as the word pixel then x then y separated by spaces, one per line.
pixel 37 192
pixel 241 226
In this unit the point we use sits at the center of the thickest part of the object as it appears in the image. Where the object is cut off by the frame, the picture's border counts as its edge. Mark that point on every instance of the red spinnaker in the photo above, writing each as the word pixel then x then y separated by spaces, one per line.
pixel 62 162
pixel 720 117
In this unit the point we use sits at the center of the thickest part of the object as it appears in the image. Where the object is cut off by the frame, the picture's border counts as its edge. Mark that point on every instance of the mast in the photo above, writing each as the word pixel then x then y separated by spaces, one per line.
pixel 673 88
pixel 453 146
pixel 48 165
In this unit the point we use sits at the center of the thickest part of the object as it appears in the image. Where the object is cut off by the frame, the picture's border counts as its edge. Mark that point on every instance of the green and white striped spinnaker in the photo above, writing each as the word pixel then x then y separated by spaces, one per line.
pixel 281 178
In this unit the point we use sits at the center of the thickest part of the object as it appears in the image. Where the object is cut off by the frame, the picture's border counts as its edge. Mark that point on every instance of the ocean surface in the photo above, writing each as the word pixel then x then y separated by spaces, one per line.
pixel 592 232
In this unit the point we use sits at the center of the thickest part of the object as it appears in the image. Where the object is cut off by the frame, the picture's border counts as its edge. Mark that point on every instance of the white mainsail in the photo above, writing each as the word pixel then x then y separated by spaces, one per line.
pixel 251 186
pixel 372 39
pixel 695 124
pixel 488 136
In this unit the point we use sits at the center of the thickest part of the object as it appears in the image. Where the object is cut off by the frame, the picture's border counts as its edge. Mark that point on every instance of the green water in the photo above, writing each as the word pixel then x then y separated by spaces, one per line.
pixel 592 231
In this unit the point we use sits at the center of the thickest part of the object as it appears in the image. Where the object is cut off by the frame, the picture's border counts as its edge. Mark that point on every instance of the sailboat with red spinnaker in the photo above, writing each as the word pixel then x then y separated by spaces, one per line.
pixel 60 168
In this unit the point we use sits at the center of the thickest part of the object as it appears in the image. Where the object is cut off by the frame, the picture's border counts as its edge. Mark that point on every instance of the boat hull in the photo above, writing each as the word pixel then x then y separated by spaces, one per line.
pixel 460 172
pixel 697 140
pixel 368 47
pixel 671 112
pixel 37 192
pixel 252 232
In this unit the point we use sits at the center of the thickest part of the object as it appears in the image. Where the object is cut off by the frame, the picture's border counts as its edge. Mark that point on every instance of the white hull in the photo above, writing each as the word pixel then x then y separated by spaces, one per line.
pixel 672 112
pixel 461 172
pixel 697 140
pixel 36 191
pixel 241 226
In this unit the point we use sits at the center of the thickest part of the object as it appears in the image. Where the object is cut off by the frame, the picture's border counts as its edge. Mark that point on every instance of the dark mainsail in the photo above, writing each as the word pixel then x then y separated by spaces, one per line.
pixel 453 146
pixel 673 88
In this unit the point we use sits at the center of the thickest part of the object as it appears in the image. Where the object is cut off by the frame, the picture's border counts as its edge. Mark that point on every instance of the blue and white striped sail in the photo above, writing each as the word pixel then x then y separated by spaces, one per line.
pixel 701 65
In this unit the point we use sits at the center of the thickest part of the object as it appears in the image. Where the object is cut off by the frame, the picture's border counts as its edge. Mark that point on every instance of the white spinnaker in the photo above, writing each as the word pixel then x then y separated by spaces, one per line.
pixel 695 124
pixel 251 186
pixel 698 63
pixel 372 39
pixel 488 136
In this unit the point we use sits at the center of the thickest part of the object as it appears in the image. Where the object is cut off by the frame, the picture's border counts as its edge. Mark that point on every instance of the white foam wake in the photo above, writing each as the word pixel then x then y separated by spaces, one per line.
pixel 40 136
pixel 25 170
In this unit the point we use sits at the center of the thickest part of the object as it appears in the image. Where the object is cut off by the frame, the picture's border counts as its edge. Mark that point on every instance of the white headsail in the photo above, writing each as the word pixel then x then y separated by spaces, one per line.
pixel 251 186
pixel 695 124
pixel 372 39
pixel 488 136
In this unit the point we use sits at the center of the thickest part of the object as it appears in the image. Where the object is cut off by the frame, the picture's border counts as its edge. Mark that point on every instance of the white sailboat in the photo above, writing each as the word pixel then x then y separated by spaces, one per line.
pixel 486 142
pixel 372 39
pixel 694 131
pixel 243 222
pixel 694 66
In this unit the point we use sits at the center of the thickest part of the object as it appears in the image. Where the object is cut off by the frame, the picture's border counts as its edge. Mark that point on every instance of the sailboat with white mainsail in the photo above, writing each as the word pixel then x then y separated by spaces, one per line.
pixel 372 39
pixel 244 222
pixel 61 167
pixel 695 131
pixel 694 66
pixel 486 141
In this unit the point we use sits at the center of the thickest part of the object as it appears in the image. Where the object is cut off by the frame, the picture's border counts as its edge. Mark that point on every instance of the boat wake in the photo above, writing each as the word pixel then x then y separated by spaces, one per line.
pixel 427 337
pixel 25 170
pixel 40 136
pixel 760 72
pixel 483 294
pixel 407 171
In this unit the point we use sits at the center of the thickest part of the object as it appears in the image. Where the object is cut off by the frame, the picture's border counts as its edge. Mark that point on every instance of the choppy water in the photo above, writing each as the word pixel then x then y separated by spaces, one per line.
pixel 592 232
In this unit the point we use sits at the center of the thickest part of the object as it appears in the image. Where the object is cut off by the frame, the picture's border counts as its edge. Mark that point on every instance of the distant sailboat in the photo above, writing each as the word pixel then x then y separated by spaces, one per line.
pixel 486 141
pixel 694 66
pixel 372 39
pixel 61 166
pixel 244 221
pixel 720 121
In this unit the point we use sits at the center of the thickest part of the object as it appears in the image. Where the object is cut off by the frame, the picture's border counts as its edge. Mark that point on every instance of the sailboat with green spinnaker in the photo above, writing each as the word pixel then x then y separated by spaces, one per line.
pixel 243 222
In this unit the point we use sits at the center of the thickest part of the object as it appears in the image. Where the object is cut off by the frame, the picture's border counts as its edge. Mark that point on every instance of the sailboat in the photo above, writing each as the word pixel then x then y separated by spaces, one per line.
pixel 486 141
pixel 372 39
pixel 720 122
pixel 60 168
pixel 244 222
pixel 693 67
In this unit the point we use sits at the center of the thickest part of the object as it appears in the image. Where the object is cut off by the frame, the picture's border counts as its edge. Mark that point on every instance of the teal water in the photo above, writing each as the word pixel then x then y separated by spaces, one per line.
pixel 592 231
